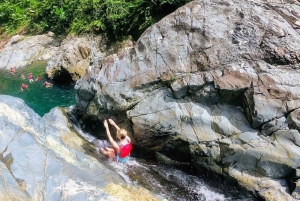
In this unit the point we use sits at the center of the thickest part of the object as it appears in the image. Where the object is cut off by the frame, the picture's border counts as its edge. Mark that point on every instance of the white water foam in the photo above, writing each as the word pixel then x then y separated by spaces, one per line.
pixel 193 185
pixel 86 136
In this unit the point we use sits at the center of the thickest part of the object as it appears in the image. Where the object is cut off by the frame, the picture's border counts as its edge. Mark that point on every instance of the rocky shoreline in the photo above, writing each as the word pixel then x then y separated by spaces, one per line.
pixel 214 84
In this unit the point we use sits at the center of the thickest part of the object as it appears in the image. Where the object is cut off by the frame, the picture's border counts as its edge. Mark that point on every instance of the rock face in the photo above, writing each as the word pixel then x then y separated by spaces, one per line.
pixel 76 54
pixel 216 84
pixel 67 60
pixel 21 51
pixel 71 60
pixel 43 159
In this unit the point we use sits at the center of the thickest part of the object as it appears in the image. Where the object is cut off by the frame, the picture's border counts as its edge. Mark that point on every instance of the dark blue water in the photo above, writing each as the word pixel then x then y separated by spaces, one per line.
pixel 37 96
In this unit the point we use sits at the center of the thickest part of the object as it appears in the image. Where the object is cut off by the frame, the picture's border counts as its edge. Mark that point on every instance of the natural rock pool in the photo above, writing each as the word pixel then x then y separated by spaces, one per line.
pixel 164 181
pixel 36 96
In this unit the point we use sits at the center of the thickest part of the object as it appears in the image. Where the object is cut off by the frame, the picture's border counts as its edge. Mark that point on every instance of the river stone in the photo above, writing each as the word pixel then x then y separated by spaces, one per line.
pixel 277 124
pixel 293 119
pixel 44 159
pixel 297 174
pixel 21 51
pixel 296 193
pixel 269 188
pixel 10 189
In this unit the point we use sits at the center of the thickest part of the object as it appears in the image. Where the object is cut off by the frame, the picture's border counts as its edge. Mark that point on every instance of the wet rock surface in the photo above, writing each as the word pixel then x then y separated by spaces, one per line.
pixel 214 84
pixel 45 159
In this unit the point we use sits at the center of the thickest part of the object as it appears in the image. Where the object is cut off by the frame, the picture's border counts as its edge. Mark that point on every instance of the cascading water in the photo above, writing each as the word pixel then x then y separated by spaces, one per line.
pixel 169 183
pixel 166 182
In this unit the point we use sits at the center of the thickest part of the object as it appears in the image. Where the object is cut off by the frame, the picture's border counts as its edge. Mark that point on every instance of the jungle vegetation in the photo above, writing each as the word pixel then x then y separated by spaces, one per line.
pixel 115 19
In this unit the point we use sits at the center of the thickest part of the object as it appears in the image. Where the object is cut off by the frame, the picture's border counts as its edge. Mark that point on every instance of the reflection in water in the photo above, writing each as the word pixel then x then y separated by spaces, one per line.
pixel 36 96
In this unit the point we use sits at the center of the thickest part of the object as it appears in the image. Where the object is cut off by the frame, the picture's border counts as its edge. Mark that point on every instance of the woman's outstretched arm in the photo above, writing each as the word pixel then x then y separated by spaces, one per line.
pixel 111 122
pixel 111 140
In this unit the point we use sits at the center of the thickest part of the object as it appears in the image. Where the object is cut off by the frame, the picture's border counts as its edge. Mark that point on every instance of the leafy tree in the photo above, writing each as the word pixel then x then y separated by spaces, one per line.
pixel 116 19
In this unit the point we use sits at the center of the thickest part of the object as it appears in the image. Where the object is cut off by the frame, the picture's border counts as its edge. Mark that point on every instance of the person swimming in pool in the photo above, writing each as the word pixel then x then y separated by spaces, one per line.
pixel 12 70
pixel 47 84
pixel 39 78
pixel 23 86
pixel 30 77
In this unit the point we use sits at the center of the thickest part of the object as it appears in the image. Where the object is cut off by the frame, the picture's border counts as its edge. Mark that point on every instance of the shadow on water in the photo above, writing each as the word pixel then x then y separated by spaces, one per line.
pixel 37 96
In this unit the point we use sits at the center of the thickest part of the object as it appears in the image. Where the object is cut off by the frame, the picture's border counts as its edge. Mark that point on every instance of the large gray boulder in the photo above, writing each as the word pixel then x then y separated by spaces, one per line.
pixel 67 60
pixel 21 51
pixel 76 54
pixel 214 84
pixel 71 59
pixel 44 159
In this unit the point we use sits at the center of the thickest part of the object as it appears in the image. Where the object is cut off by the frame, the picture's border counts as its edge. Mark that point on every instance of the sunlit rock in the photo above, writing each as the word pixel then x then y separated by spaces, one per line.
pixel 214 84
pixel 45 159
pixel 21 51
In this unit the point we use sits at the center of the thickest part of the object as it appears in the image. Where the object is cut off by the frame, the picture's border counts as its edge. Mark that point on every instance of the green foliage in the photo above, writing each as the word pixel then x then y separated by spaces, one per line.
pixel 117 19
pixel 13 15
pixel 174 78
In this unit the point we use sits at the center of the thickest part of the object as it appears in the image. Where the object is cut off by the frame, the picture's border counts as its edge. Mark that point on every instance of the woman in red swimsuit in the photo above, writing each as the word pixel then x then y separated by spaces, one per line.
pixel 122 149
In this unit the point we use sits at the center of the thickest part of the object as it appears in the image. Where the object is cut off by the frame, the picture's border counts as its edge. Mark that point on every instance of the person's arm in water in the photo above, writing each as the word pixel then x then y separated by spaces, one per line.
pixel 111 140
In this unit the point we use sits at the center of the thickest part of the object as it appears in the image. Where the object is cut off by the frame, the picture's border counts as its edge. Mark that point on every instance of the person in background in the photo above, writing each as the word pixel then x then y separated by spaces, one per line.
pixel 23 86
pixel 12 70
pixel 39 78
pixel 22 76
pixel 47 84
pixel 121 149
pixel 30 77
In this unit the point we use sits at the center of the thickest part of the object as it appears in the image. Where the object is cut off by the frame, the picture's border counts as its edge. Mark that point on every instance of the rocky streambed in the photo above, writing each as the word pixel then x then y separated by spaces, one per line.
pixel 214 85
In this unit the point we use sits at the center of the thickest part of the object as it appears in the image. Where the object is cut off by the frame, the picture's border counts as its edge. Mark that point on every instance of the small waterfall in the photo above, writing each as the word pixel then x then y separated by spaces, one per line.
pixel 168 183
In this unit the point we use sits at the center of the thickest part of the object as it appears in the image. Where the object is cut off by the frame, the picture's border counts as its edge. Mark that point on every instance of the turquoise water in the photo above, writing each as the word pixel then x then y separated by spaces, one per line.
pixel 37 96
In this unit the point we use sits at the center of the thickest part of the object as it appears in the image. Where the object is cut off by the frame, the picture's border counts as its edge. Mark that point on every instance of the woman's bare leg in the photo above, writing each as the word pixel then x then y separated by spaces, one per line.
pixel 109 149
pixel 108 152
